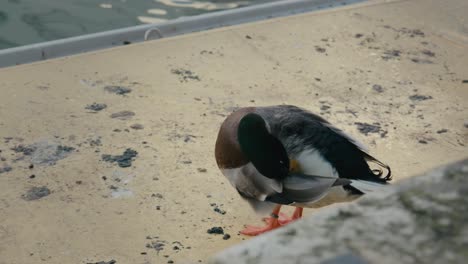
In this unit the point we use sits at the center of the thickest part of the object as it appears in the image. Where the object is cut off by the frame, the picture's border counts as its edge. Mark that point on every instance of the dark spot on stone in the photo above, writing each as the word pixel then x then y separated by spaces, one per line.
pixel 422 141
pixel 124 160
pixel 36 193
pixel 96 107
pixel 219 210
pixel 428 53
pixel 442 131
pixel 79 182
pixel 291 232
pixel 103 262
pixel 391 54
pixel 215 230
pixel 248 37
pixel 421 61
pixel 123 115
pixel 226 236
pixel 185 75
pixel 157 245
pixel 104 178
pixel 31 166
pixel 157 195
pixel 418 97
pixel 175 248
pixel 5 169
pixel 320 49
pixel 62 148
pixel 187 162
pixel 201 169
pixel 318 79
pixel 378 88
pixel 358 35
pixel 143 253
pixel 464 81
pixel 32 176
pixel 95 142
pixel 126 42
pixel 170 261
pixel 325 107
pixel 416 32
pixel 26 150
pixel 366 128
pixel 158 207
pixel 116 89
pixel 137 126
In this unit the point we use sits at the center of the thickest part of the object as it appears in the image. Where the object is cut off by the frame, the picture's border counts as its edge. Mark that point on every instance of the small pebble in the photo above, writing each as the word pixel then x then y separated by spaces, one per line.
pixel 215 230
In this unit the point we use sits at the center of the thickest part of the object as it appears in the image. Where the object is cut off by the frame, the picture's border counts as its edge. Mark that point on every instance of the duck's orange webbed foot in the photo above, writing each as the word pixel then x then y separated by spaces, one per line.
pixel 272 223
pixel 257 230
pixel 284 219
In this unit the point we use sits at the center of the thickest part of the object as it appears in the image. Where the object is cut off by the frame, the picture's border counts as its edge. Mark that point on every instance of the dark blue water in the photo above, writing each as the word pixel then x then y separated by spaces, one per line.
pixel 31 21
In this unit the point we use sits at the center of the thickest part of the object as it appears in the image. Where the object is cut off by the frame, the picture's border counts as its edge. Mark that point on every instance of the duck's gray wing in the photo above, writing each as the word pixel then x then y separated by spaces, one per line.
pixel 303 188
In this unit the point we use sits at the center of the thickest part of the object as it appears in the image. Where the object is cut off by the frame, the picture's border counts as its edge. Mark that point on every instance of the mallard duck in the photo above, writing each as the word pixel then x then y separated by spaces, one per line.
pixel 285 155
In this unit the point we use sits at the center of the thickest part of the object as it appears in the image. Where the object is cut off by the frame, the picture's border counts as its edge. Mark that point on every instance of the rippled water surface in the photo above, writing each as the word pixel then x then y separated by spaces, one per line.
pixel 31 21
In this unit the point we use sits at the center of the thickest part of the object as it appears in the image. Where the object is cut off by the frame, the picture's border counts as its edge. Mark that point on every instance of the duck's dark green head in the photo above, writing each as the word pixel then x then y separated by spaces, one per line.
pixel 265 151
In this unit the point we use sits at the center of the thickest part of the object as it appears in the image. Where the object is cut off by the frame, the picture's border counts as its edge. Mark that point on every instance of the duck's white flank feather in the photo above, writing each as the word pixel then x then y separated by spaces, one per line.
pixel 312 162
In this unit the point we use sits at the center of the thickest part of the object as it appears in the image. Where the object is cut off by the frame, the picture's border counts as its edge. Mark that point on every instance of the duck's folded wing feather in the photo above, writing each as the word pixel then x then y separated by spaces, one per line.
pixel 303 188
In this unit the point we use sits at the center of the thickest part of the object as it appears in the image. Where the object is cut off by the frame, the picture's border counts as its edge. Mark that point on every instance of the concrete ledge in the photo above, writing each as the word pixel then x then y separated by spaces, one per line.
pixel 179 26
pixel 421 220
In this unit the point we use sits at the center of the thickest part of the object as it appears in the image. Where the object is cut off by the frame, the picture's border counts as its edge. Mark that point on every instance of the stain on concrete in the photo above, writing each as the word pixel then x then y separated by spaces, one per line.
pixel 123 115
pixel 137 126
pixel 157 244
pixel 358 35
pixel 5 169
pixel 26 150
pixel 320 49
pixel 116 89
pixel 185 75
pixel 36 193
pixel 44 152
pixel 366 128
pixel 96 107
pixel 428 53
pixel 103 262
pixel 418 97
pixel 421 61
pixel 120 193
pixel 378 88
pixel 391 54
pixel 124 160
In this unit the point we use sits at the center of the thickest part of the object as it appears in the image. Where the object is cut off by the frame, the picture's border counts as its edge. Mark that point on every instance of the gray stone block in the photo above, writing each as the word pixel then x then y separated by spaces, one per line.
pixel 420 220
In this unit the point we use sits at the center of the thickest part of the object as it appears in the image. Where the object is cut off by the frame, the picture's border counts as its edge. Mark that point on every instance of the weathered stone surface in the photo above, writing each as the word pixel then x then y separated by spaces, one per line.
pixel 420 220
